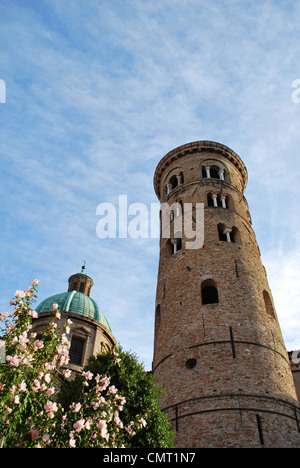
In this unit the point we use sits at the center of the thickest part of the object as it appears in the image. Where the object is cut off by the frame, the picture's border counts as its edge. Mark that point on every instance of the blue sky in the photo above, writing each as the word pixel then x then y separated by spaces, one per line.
pixel 97 92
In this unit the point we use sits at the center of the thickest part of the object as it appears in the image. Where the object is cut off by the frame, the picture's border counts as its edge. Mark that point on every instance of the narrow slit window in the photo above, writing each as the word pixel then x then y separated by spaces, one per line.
pixel 157 316
pixel 268 304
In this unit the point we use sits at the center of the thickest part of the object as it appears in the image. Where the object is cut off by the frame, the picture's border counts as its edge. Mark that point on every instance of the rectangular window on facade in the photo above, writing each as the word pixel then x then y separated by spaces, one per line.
pixel 76 351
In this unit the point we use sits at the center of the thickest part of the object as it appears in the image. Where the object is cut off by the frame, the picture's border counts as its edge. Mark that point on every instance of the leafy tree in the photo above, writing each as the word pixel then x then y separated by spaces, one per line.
pixel 140 391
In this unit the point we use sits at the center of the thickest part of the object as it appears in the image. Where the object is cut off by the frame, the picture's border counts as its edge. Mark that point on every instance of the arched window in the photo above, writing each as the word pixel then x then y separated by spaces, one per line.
pixel 220 203
pixel 176 209
pixel 173 247
pixel 268 304
pixel 229 202
pixel 218 200
pixel 227 234
pixel 210 201
pixel 214 172
pixel 209 292
pixel 235 235
pixel 221 231
pixel 173 182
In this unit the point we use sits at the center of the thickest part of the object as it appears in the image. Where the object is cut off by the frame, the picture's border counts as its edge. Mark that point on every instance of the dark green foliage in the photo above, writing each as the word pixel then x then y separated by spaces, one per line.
pixel 141 393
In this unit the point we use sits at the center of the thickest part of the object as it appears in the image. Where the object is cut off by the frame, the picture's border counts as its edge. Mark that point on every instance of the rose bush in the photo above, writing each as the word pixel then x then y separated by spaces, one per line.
pixel 31 378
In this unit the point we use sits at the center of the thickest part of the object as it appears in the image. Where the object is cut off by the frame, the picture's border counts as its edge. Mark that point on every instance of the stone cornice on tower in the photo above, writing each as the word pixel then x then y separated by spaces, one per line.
pixel 198 147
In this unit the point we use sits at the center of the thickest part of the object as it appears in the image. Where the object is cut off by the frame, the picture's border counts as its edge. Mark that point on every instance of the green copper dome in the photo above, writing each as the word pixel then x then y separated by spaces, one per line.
pixel 75 302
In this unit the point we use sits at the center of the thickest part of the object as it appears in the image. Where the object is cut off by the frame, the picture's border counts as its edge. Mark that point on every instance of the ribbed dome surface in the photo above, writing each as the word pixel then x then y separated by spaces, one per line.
pixel 75 302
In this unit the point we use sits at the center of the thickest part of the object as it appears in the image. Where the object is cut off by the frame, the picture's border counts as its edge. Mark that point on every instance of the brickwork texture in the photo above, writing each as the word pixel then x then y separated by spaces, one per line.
pixel 218 348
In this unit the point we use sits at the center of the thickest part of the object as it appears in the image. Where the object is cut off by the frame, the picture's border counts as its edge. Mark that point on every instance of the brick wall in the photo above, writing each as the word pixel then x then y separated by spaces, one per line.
pixel 224 365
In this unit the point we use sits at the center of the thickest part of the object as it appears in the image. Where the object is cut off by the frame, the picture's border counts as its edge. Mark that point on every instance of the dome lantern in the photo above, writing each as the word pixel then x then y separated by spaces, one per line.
pixel 81 282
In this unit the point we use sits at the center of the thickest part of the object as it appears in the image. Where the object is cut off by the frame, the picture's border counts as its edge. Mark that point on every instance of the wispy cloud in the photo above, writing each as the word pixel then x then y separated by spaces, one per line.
pixel 283 267
pixel 98 92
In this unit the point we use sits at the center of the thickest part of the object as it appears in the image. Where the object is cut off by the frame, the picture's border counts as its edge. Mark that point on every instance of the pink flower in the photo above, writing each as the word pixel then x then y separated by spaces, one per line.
pixel 88 375
pixel 113 389
pixel 55 307
pixel 33 314
pixel 118 420
pixel 36 281
pixel 103 429
pixel 50 408
pixel 79 425
pixel 67 373
pixel 36 385
pixel 23 338
pixel 34 434
pixel 13 360
pixel 77 407
pixel 122 400
pixel 47 378
pixel 20 294
pixel 130 428
pixel 88 424
pixel 17 400
pixel 38 344
pixel 105 383
pixel 63 360
pixel 57 314
pixel 22 386
pixel 72 442
pixel 46 439
pixel 4 315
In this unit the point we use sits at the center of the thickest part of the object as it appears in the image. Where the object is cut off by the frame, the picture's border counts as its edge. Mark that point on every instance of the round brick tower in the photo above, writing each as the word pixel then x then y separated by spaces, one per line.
pixel 218 348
